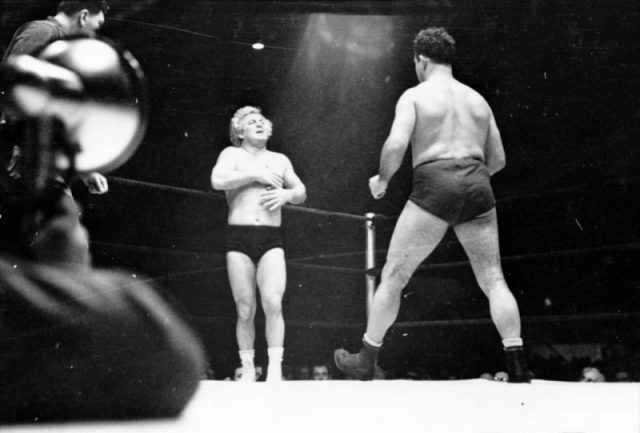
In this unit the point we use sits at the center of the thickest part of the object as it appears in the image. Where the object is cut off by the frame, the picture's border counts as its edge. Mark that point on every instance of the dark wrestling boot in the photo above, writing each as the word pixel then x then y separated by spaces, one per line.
pixel 517 365
pixel 359 365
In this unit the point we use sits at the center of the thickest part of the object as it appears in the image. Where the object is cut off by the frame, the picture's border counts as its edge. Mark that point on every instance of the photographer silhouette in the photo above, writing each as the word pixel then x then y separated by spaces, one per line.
pixel 76 342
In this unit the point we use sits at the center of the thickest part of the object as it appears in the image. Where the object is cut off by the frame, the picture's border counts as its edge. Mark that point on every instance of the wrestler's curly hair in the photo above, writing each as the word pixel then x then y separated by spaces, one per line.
pixel 236 127
pixel 435 43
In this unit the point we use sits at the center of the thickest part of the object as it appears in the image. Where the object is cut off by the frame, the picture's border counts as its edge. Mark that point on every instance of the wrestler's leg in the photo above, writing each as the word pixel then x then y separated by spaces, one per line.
pixel 242 278
pixel 479 238
pixel 272 279
pixel 415 236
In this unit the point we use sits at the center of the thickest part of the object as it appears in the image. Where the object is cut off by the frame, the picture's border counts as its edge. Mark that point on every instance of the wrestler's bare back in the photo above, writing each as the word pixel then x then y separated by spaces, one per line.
pixel 452 121
pixel 244 202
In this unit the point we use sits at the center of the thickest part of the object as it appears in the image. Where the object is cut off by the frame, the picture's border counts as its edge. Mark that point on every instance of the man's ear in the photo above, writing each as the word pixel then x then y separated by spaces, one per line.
pixel 82 17
pixel 423 60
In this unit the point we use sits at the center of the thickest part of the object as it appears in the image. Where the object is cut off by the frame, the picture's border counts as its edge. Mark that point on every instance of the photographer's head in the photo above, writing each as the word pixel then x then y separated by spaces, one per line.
pixel 82 17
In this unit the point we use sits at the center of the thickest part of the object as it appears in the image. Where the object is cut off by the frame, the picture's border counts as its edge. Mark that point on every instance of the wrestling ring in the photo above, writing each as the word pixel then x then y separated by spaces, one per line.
pixel 173 241
pixel 475 405
pixel 466 405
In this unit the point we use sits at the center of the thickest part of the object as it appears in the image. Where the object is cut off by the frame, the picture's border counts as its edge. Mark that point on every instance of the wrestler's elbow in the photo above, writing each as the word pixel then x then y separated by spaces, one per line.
pixel 218 181
pixel 299 195
pixel 496 164
pixel 216 184
pixel 396 144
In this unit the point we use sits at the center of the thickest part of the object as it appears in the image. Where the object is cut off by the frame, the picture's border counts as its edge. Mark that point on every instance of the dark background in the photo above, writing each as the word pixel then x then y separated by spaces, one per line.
pixel 561 75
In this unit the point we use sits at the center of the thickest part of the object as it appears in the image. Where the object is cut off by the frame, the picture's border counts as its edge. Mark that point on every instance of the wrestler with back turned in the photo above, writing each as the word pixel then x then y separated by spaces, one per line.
pixel 456 147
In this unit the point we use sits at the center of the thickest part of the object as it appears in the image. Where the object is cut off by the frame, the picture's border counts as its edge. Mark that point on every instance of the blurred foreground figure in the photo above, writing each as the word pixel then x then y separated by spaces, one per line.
pixel 81 343
pixel 78 343
pixel 73 18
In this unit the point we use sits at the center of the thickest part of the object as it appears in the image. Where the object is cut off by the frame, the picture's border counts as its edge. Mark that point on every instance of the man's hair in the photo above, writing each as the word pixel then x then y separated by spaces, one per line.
pixel 236 127
pixel 435 43
pixel 73 7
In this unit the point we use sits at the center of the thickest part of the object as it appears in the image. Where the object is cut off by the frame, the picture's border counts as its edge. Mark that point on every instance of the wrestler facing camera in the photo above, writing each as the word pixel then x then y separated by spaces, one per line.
pixel 456 147
pixel 257 183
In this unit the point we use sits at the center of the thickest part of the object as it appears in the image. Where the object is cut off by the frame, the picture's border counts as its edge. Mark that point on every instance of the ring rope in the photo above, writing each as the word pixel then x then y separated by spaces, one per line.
pixel 145 248
pixel 377 217
pixel 151 185
pixel 569 189
pixel 438 323
pixel 530 319
pixel 376 271
pixel 219 196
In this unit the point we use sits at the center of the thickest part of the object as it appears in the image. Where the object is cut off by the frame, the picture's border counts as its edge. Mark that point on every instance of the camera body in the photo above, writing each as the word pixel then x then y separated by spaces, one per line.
pixel 78 106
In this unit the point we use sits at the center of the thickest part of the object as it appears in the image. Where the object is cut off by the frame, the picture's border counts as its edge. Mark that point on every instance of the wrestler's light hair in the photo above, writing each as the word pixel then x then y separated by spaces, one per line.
pixel 435 43
pixel 236 126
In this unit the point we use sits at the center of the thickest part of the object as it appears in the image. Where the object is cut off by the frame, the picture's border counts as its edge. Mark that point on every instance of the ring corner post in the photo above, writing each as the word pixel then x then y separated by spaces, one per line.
pixel 370 258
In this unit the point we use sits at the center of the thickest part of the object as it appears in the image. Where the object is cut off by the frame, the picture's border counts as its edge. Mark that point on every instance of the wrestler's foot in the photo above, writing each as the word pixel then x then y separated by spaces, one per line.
pixel 274 370
pixel 360 365
pixel 517 365
pixel 274 374
pixel 248 373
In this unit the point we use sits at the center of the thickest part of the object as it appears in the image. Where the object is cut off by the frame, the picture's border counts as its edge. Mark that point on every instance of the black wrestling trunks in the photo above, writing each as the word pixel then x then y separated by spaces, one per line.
pixel 455 190
pixel 253 241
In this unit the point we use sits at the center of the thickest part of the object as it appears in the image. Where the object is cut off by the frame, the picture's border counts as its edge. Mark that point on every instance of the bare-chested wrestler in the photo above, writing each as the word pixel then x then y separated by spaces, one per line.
pixel 257 182
pixel 456 147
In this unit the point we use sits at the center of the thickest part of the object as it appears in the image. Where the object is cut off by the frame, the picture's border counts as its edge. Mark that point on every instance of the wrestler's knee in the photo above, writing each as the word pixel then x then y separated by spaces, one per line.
pixel 395 275
pixel 246 310
pixel 491 279
pixel 272 304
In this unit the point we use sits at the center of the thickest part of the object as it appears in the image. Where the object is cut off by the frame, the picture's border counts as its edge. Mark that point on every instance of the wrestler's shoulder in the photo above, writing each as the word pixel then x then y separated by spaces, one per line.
pixel 471 93
pixel 411 92
pixel 277 156
pixel 230 151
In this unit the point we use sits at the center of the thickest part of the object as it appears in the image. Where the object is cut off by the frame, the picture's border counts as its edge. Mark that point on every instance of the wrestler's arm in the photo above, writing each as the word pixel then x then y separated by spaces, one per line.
pixel 495 158
pixel 225 176
pixel 293 184
pixel 396 144
pixel 293 192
